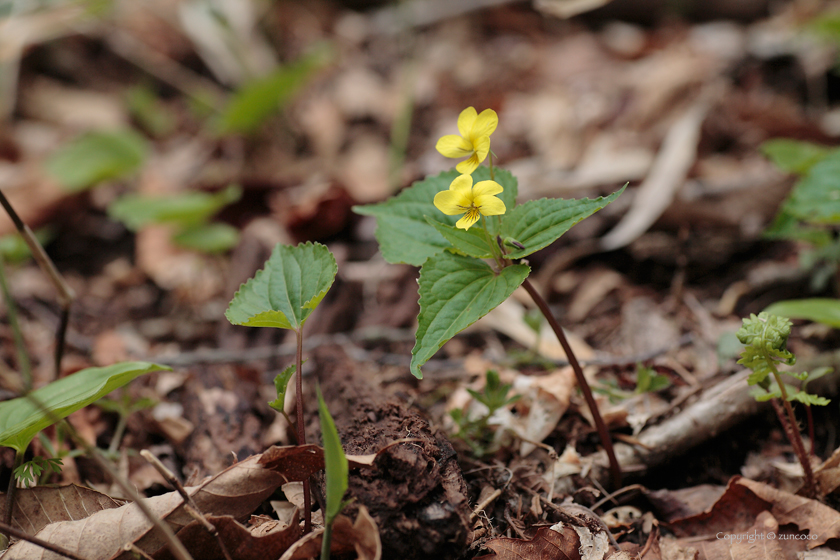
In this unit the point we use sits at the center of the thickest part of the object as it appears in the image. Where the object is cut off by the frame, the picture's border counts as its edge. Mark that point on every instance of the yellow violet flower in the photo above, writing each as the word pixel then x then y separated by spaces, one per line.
pixel 474 140
pixel 464 198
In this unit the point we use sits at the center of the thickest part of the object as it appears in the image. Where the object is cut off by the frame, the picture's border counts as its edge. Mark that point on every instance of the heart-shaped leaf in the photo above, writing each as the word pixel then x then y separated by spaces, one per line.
pixel 287 290
pixel 455 292
pixel 539 223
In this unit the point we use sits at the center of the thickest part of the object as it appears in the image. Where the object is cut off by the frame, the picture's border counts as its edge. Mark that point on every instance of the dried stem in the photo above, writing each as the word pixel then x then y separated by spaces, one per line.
pixel 603 433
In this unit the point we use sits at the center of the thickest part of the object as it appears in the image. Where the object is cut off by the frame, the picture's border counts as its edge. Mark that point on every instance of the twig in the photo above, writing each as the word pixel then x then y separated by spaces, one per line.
pixel 191 507
pixel 65 293
pixel 486 502
pixel 8 529
pixel 583 384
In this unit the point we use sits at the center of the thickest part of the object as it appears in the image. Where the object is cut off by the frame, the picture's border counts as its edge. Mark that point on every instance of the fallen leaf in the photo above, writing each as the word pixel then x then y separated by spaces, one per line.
pixel 240 542
pixel 547 544
pixel 35 508
pixel 361 537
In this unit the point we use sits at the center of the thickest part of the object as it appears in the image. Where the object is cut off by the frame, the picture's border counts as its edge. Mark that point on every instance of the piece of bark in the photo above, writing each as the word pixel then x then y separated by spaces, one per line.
pixel 415 491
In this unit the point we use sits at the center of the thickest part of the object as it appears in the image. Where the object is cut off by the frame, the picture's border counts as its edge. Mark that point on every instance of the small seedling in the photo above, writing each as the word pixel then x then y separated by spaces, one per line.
pixel 30 472
pixel 765 338
pixel 469 237
pixel 336 473
pixel 283 295
pixel 124 407
pixel 477 432
pixel 648 381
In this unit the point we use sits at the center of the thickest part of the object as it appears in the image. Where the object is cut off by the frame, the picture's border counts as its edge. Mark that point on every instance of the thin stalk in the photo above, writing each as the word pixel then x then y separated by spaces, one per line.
pixel 118 434
pixel 795 437
pixel 65 293
pixel 810 417
pixel 11 311
pixel 603 432
pixel 301 432
pixel 326 539
pixel 9 503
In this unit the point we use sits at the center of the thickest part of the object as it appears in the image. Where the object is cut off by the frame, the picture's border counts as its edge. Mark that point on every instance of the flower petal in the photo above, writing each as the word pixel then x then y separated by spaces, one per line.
pixel 486 188
pixel 462 185
pixel 468 165
pixel 483 125
pixel 469 219
pixel 466 120
pixel 482 148
pixel 453 146
pixel 451 203
pixel 490 205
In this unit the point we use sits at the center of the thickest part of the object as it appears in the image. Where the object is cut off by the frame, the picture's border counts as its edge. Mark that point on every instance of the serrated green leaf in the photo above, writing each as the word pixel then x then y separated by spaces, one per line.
pixel 539 223
pixel 336 467
pixel 816 197
pixel 284 293
pixel 819 310
pixel 402 231
pixel 472 242
pixel 97 156
pixel 793 156
pixel 208 238
pixel 455 292
pixel 281 382
pixel 187 208
pixel 22 418
pixel 258 100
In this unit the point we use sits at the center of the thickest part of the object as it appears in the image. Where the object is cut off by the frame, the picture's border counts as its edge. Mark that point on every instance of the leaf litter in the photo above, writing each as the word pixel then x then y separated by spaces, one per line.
pixel 587 111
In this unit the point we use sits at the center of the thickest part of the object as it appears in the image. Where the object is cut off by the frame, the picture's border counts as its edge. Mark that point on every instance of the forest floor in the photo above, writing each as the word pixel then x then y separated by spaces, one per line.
pixel 650 290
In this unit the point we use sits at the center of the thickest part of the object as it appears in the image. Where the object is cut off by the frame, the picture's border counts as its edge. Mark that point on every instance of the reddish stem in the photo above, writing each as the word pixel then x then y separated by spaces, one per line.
pixel 603 432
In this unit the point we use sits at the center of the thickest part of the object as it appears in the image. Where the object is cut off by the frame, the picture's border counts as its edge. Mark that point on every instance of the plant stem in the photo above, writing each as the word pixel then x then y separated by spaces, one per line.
pixel 9 503
pixel 795 437
pixel 118 433
pixel 301 432
pixel 603 433
pixel 326 538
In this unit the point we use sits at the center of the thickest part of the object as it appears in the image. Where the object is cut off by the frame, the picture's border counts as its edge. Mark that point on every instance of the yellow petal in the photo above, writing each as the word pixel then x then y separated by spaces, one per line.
pixel 451 203
pixel 470 218
pixel 483 125
pixel 453 146
pixel 486 188
pixel 490 205
pixel 482 148
pixel 466 120
pixel 468 165
pixel 462 185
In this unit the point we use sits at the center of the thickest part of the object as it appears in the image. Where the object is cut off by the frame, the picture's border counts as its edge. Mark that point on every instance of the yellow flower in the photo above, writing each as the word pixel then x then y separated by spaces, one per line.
pixel 464 198
pixel 474 140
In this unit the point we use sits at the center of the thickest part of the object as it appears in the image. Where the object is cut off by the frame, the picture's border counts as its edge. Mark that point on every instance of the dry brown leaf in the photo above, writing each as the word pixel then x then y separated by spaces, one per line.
pixel 361 537
pixel 35 508
pixel 299 462
pixel 547 544
pixel 241 543
pixel 236 492
pixel 828 474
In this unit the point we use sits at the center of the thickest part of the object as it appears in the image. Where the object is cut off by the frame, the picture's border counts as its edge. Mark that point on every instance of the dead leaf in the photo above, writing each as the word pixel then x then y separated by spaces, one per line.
pixel 547 544
pixel 241 543
pixel 568 8
pixel 35 508
pixel 299 462
pixel 361 537
pixel 236 492
pixel 828 474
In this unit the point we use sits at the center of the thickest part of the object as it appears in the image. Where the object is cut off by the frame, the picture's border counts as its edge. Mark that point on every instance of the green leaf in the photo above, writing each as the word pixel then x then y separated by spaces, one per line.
pixel 539 223
pixel 471 242
pixel 187 208
pixel 403 233
pixel 455 292
pixel 22 418
pixel 816 197
pixel 208 238
pixel 153 116
pixel 337 470
pixel 793 156
pixel 281 382
pixel 819 310
pixel 254 103
pixel 97 156
pixel 284 293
